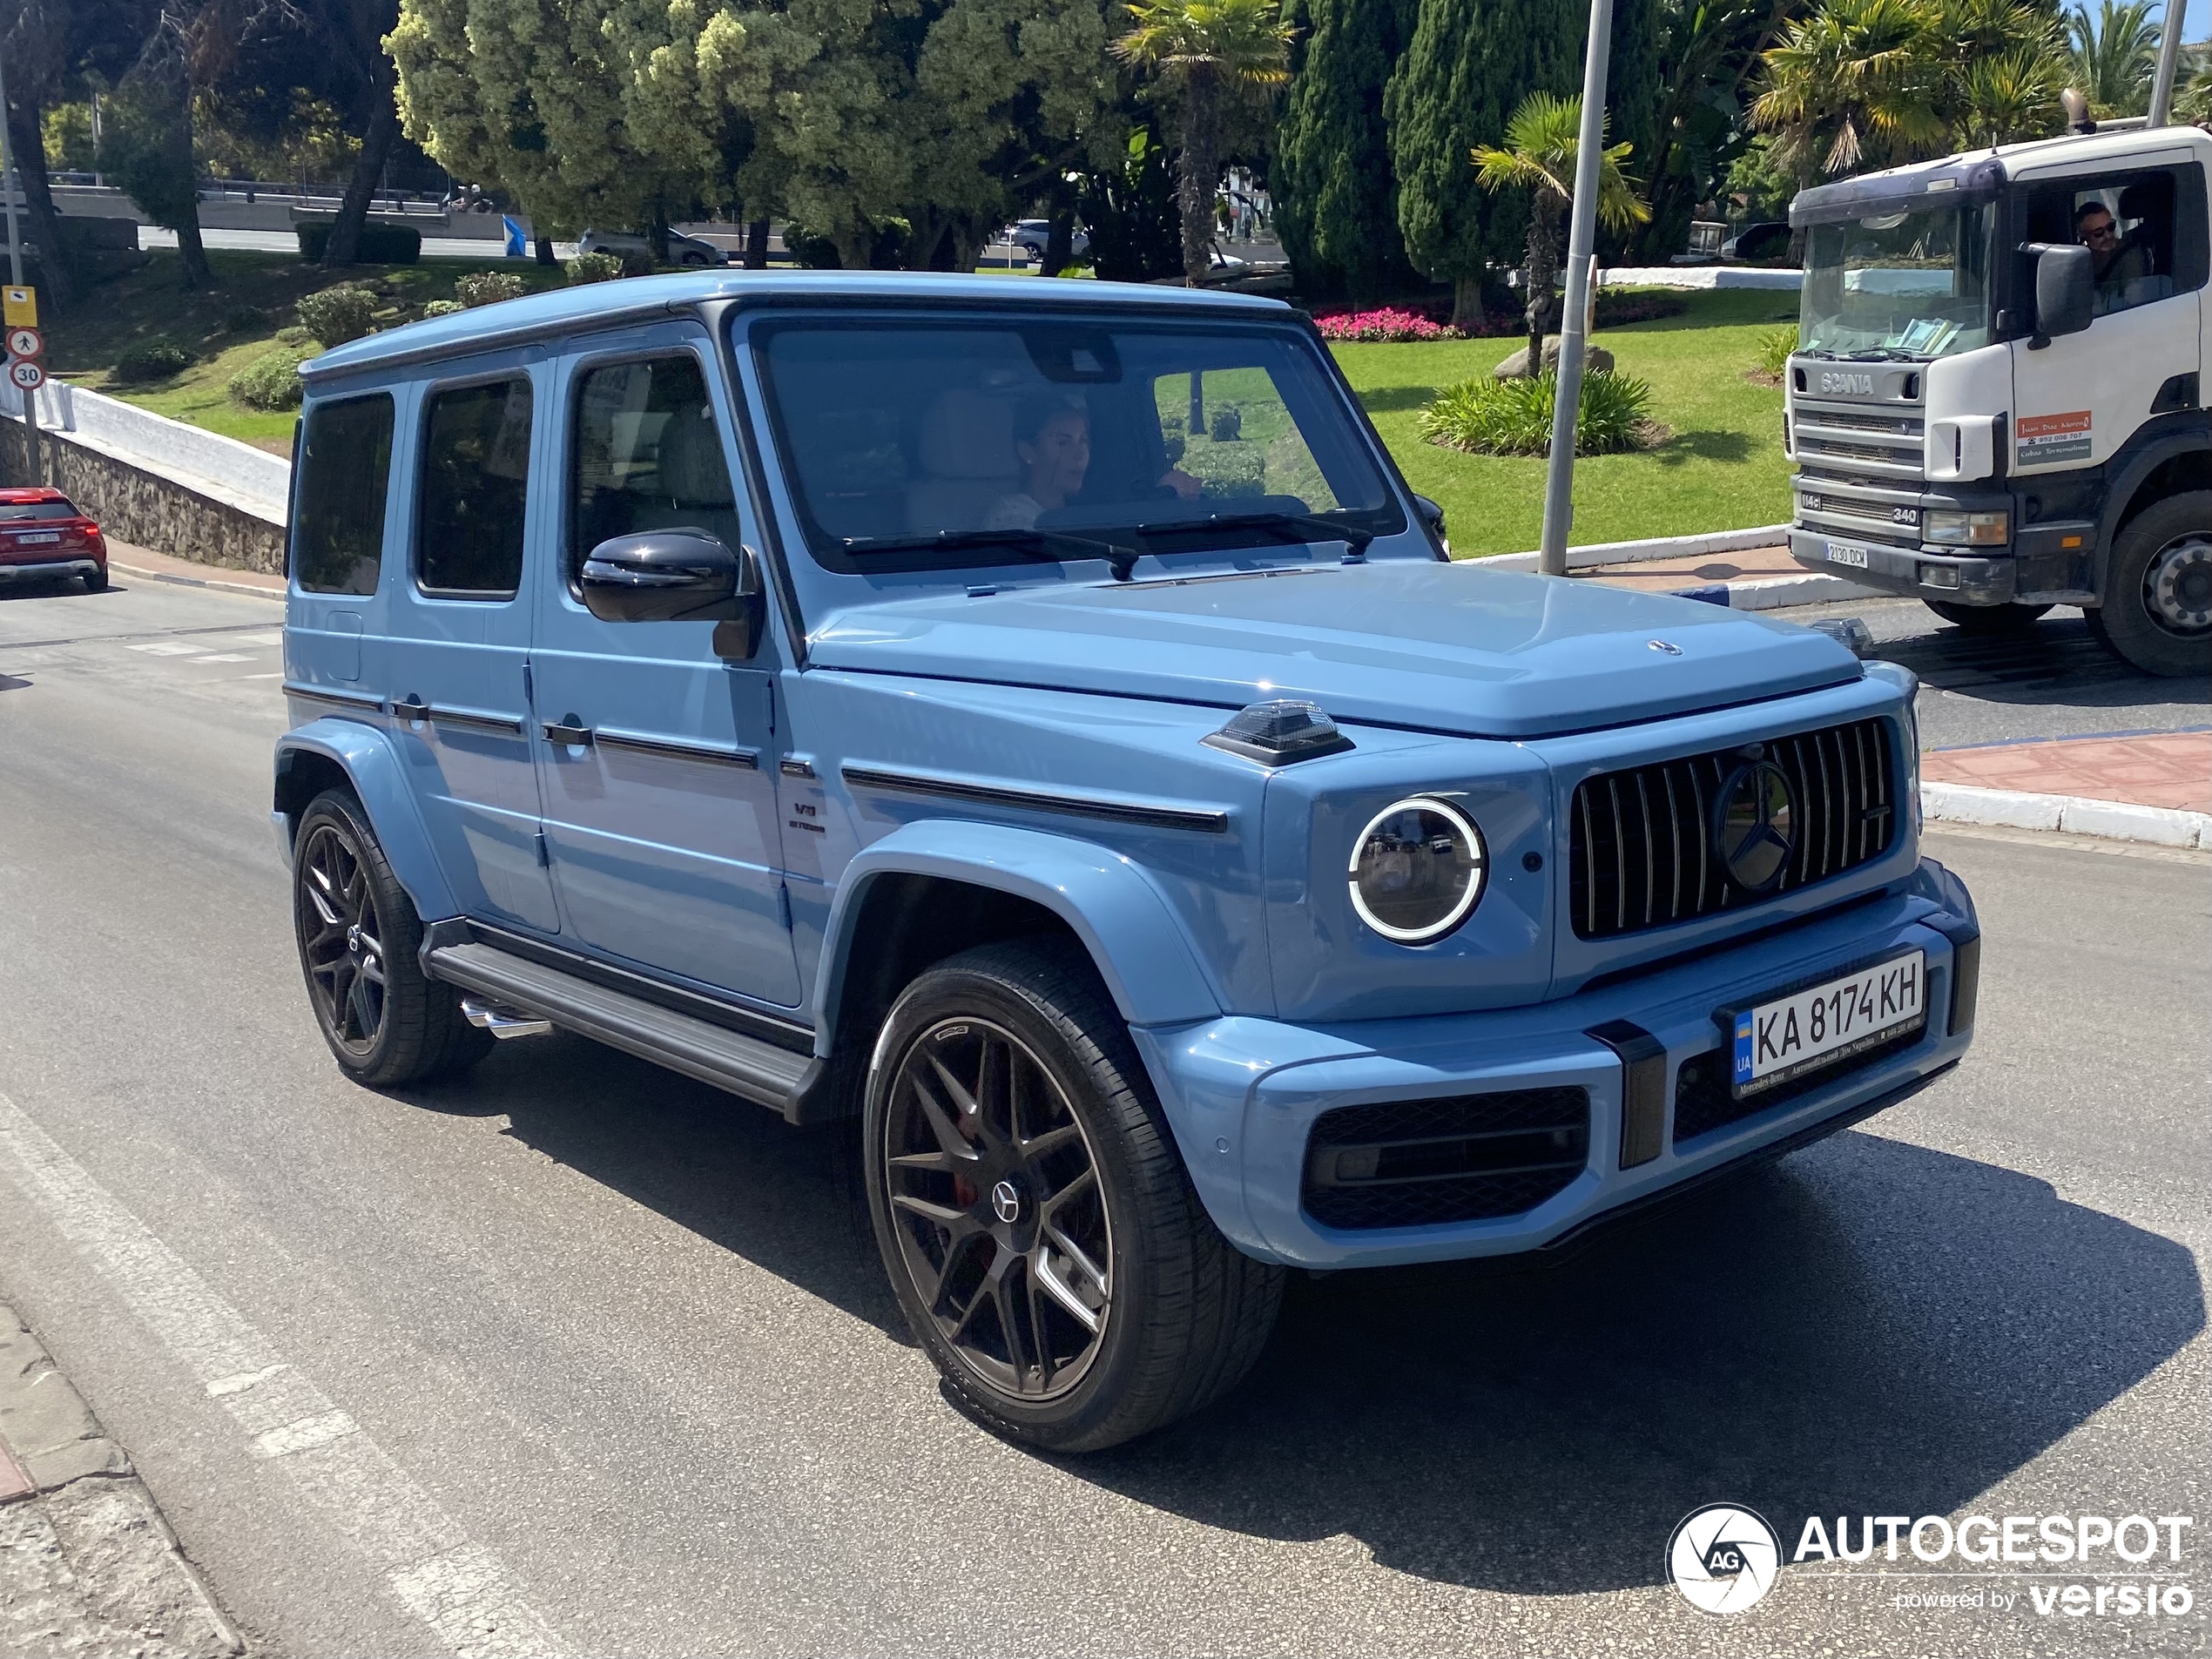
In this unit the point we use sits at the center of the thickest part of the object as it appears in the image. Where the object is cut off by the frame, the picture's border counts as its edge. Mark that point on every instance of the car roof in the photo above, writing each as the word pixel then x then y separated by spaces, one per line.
pixel 597 304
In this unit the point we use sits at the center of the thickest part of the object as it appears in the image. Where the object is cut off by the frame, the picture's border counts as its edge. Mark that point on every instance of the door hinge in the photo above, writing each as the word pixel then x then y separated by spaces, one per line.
pixel 783 905
pixel 545 858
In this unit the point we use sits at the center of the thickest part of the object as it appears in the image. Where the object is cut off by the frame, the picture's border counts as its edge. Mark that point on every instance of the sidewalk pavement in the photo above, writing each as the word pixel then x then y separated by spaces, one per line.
pixel 87 1564
pixel 125 559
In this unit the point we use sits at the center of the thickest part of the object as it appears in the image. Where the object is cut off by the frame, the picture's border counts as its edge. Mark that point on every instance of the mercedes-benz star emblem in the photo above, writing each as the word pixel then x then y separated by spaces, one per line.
pixel 1006 1202
pixel 1755 825
pixel 1662 645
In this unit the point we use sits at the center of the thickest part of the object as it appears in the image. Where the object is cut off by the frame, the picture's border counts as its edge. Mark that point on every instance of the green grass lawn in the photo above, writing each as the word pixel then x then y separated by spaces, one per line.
pixel 228 326
pixel 1722 469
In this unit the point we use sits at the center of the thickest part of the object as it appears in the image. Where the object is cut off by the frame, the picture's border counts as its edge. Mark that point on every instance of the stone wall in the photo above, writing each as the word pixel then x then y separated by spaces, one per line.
pixel 135 505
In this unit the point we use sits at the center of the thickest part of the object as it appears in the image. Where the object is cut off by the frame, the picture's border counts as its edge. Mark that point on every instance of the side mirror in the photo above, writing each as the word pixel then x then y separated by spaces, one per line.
pixel 1432 515
pixel 667 576
pixel 2066 291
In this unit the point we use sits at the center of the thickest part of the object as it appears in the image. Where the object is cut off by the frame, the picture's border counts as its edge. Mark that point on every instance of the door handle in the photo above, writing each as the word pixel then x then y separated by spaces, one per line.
pixel 567 732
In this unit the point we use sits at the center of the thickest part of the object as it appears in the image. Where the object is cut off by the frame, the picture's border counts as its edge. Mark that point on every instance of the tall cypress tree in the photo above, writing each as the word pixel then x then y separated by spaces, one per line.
pixel 1467 67
pixel 1337 202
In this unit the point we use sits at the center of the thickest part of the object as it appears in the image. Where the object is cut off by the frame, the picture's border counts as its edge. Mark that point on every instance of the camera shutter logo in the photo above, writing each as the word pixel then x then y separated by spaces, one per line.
pixel 1723 1559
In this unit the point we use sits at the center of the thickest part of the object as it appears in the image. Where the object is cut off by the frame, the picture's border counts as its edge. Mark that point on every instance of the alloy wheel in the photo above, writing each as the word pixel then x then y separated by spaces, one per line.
pixel 995 1201
pixel 341 939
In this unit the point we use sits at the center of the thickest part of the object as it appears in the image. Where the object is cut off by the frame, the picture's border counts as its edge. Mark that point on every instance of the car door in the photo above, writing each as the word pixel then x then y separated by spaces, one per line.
pixel 2080 398
pixel 459 640
pixel 656 757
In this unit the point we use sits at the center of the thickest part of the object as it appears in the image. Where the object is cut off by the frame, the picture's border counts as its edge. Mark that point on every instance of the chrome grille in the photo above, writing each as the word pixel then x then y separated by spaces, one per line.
pixel 1887 438
pixel 1641 851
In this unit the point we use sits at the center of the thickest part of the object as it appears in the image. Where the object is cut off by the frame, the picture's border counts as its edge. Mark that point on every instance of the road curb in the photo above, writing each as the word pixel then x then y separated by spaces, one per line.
pixel 1646 551
pixel 216 583
pixel 2117 820
pixel 88 1556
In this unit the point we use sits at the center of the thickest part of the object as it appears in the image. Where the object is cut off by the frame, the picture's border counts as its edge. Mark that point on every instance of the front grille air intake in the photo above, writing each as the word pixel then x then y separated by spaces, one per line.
pixel 1641 851
pixel 1462 1158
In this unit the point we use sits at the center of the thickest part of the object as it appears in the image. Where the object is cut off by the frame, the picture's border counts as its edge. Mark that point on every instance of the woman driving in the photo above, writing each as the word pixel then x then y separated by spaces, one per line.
pixel 1052 438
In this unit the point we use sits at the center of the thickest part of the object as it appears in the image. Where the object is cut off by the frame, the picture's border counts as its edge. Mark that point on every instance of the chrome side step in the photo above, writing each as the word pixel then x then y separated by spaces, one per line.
pixel 507 986
pixel 502 1021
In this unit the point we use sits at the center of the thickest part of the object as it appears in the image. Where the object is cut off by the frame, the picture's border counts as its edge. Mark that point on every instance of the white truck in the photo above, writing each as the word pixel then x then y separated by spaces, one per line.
pixel 1990 416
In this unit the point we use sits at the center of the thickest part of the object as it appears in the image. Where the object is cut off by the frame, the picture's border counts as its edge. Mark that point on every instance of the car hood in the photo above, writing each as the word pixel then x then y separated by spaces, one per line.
pixel 1484 653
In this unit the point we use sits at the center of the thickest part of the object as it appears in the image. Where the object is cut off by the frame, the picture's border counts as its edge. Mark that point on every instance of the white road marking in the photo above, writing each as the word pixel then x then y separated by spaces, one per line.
pixel 166 648
pixel 223 657
pixel 267 636
pixel 442 1576
pixel 276 675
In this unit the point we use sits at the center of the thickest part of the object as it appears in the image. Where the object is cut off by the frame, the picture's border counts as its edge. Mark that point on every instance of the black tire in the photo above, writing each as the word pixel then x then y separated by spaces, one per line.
pixel 387 1024
pixel 1180 1314
pixel 1988 619
pixel 94 581
pixel 2157 612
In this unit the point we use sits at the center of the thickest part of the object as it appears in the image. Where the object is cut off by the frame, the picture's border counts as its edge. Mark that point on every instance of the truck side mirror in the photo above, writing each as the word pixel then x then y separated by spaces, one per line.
pixel 683 575
pixel 1432 515
pixel 2066 292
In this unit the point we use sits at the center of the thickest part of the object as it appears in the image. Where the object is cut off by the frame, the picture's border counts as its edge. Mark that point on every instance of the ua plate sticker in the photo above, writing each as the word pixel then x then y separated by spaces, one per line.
pixel 1775 1042
pixel 2047 438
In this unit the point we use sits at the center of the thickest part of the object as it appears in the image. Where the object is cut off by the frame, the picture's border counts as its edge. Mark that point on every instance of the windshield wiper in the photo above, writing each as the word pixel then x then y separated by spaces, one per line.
pixel 1030 543
pixel 1882 354
pixel 1304 527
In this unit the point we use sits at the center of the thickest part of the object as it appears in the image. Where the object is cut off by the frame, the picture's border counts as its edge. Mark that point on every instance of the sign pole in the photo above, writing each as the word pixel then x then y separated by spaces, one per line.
pixel 1573 323
pixel 7 184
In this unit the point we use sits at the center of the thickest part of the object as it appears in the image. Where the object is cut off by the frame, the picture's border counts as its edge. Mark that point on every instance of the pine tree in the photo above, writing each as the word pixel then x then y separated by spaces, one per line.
pixel 1469 64
pixel 1336 201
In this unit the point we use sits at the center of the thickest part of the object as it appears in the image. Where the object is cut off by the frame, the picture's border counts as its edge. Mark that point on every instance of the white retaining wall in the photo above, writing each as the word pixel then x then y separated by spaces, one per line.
pixel 235 473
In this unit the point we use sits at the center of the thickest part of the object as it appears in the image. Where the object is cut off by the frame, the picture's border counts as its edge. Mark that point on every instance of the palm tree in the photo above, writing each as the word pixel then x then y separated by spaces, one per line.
pixel 1542 141
pixel 2114 54
pixel 2012 96
pixel 1206 51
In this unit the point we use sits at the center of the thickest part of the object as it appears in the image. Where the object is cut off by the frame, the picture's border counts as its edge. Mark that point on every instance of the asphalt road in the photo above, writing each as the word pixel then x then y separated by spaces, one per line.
pixel 627 1336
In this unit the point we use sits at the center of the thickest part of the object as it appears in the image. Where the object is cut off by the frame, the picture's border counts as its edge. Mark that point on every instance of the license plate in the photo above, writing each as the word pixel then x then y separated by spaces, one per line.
pixel 1844 553
pixel 1777 1041
pixel 38 538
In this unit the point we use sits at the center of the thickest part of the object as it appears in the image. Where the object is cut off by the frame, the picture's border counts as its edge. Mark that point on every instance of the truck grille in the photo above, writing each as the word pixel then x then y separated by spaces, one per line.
pixel 1462 1158
pixel 1888 439
pixel 1641 851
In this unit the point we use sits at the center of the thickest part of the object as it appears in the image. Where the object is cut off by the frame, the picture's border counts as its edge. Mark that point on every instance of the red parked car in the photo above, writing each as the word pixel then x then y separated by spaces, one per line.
pixel 42 536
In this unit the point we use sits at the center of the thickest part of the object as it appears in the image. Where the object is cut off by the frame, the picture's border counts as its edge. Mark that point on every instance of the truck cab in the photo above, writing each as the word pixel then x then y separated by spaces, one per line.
pixel 1996 404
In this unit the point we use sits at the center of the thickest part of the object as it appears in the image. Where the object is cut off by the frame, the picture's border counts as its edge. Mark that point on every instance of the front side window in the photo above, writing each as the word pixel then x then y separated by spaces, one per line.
pixel 919 444
pixel 476 479
pixel 345 464
pixel 646 454
pixel 2128 222
pixel 1906 285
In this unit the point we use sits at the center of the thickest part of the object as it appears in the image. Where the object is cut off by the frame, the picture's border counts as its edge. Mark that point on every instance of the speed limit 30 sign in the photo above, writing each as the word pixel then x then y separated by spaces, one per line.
pixel 25 375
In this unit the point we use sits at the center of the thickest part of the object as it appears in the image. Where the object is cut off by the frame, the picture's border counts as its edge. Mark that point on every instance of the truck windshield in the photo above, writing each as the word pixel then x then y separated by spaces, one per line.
pixel 921 443
pixel 1898 285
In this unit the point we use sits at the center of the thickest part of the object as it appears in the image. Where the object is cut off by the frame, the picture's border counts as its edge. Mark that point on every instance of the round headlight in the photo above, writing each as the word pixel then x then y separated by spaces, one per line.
pixel 1417 870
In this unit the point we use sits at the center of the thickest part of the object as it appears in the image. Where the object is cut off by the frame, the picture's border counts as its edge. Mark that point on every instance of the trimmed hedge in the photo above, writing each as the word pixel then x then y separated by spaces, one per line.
pixel 378 244
pixel 150 360
pixel 269 382
pixel 489 288
pixel 336 315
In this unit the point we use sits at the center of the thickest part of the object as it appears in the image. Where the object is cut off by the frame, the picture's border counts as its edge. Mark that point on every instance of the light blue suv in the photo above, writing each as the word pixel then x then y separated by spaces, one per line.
pixel 1037 723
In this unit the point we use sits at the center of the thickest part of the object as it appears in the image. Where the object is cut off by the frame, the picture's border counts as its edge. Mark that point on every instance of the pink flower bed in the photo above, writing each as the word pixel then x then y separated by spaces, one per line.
pixel 1390 322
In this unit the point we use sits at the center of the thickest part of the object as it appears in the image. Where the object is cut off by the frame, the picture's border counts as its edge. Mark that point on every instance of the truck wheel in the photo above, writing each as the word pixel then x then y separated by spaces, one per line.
pixel 2157 611
pixel 1043 1239
pixel 1988 620
pixel 358 933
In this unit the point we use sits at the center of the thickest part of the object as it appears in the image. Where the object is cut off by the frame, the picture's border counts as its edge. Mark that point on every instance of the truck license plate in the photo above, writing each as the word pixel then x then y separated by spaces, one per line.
pixel 1844 553
pixel 1823 1024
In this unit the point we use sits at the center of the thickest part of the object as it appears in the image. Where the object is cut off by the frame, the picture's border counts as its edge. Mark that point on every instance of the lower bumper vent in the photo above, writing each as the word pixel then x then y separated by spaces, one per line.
pixel 1703 1101
pixel 1463 1157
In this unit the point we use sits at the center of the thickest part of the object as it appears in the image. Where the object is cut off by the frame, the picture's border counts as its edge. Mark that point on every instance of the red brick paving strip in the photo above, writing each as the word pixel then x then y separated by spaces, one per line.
pixel 14 1482
pixel 2172 769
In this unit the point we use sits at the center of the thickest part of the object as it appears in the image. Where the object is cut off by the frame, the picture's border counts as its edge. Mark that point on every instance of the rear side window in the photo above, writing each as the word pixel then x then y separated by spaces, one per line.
pixel 345 463
pixel 646 456
pixel 475 475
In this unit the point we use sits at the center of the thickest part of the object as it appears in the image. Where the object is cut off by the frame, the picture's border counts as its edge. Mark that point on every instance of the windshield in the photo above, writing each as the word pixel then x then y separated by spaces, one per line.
pixel 918 444
pixel 1900 285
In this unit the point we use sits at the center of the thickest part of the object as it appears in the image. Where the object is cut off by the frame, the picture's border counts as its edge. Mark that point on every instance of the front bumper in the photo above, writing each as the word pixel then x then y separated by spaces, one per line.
pixel 50 569
pixel 1242 1094
pixel 1920 573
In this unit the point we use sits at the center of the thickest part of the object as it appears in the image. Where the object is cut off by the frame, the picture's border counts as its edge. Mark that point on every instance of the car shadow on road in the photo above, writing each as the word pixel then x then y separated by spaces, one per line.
pixel 1868 1328
pixel 2055 660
